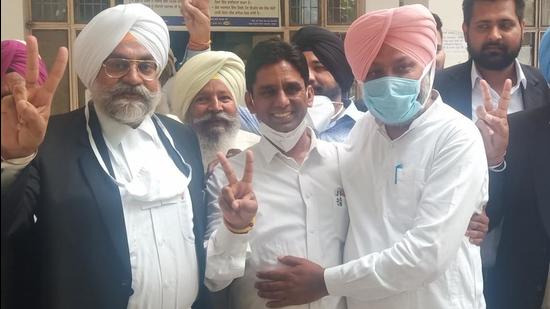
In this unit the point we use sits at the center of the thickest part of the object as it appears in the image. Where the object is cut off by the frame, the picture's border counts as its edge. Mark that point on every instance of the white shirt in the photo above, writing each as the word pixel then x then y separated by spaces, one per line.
pixel 158 216
pixel 350 111
pixel 245 139
pixel 410 201
pixel 516 100
pixel 301 211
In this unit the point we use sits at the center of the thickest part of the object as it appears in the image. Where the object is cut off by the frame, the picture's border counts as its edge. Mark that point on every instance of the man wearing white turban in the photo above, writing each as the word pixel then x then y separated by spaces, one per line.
pixel 413 173
pixel 115 189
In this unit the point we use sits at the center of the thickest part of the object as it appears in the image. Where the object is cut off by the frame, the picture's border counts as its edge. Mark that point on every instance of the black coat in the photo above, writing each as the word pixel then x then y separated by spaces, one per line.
pixel 519 276
pixel 76 254
pixel 455 86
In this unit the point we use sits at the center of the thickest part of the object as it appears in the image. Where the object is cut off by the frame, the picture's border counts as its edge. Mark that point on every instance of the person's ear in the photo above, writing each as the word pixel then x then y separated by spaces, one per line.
pixel 465 31
pixel 309 95
pixel 249 102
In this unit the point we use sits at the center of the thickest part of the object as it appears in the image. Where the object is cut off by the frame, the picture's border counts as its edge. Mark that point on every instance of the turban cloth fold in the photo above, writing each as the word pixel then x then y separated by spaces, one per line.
pixel 410 29
pixel 329 49
pixel 544 56
pixel 105 31
pixel 14 58
pixel 199 70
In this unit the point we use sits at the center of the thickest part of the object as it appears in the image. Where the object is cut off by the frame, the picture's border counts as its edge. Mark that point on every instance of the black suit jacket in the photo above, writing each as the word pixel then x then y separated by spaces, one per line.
pixel 76 254
pixel 455 86
pixel 519 277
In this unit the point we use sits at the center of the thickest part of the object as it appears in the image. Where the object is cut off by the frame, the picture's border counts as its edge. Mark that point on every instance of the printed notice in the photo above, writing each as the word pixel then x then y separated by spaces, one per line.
pixel 227 13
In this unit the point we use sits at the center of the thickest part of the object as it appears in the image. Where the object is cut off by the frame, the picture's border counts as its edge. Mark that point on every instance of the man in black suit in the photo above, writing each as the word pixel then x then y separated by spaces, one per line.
pixel 522 204
pixel 493 31
pixel 109 213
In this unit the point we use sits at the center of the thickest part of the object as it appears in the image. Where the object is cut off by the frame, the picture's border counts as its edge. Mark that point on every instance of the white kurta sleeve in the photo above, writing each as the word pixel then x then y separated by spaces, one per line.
pixel 455 188
pixel 226 252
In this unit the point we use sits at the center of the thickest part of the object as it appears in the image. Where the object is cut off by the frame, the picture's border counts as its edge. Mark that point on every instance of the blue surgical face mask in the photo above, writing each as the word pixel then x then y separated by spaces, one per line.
pixel 394 100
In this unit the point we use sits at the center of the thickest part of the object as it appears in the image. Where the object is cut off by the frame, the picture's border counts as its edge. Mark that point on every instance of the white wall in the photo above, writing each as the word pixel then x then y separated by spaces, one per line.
pixel 12 22
pixel 371 5
pixel 450 12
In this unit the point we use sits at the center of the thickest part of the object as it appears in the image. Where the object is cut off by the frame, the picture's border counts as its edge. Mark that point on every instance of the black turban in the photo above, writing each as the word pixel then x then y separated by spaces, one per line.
pixel 329 49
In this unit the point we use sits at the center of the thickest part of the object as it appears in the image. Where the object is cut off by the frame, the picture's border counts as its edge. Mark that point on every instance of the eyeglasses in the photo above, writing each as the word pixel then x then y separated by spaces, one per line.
pixel 118 67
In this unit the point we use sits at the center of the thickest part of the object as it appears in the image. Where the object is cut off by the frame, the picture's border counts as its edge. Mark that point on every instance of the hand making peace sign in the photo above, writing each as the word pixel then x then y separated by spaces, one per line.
pixel 493 123
pixel 237 200
pixel 25 112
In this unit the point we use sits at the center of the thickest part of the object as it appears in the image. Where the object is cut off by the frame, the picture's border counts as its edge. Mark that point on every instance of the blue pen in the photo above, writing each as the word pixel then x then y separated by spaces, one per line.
pixel 397 167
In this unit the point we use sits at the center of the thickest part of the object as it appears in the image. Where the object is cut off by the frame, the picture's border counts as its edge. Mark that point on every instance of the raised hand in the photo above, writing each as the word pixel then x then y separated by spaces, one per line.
pixel 237 200
pixel 197 21
pixel 300 282
pixel 26 111
pixel 493 123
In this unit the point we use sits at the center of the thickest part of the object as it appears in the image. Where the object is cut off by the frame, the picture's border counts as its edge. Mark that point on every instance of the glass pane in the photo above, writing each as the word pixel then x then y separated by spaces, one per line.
pixel 545 13
pixel 341 12
pixel 304 12
pixel 529 14
pixel 83 93
pixel 49 42
pixel 526 52
pixel 49 10
pixel 85 10
pixel 241 43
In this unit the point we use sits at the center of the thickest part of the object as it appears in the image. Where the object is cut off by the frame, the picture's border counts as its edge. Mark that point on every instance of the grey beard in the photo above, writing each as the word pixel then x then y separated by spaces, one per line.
pixel 122 109
pixel 213 140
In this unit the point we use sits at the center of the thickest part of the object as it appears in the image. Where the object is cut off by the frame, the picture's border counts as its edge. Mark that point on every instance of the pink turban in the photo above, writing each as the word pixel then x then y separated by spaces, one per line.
pixel 14 58
pixel 410 29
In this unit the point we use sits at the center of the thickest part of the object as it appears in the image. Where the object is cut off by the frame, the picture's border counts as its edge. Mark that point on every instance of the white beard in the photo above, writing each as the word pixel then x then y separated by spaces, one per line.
pixel 126 111
pixel 209 148
pixel 212 140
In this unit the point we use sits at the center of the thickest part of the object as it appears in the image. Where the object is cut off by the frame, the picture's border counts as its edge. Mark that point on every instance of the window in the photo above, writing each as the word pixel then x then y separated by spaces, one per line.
pixel 49 10
pixel 341 12
pixel 537 20
pixel 304 12
pixel 85 10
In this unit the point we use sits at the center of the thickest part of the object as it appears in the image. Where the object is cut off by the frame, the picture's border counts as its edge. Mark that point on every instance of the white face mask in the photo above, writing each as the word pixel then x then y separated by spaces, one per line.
pixel 283 140
pixel 320 113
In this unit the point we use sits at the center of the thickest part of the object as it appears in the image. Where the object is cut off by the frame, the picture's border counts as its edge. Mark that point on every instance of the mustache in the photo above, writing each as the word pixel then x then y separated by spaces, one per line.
pixel 501 47
pixel 214 117
pixel 121 90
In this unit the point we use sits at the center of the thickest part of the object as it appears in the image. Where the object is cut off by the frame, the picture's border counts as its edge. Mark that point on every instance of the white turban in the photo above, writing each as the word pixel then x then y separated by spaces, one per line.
pixel 199 70
pixel 105 31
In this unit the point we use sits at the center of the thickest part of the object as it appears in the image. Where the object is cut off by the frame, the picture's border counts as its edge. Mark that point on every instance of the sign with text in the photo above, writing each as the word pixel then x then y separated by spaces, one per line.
pixel 226 13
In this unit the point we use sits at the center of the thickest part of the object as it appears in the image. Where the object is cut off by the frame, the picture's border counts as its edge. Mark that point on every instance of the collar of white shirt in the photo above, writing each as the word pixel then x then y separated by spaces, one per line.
pixel 475 77
pixel 114 131
pixel 268 151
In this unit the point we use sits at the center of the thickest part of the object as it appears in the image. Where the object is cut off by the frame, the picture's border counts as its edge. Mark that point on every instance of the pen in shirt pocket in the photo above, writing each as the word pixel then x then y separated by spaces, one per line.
pixel 398 168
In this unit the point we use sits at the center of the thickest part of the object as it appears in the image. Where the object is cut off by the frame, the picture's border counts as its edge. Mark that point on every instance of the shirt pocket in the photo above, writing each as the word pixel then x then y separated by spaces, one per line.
pixel 185 210
pixel 403 197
